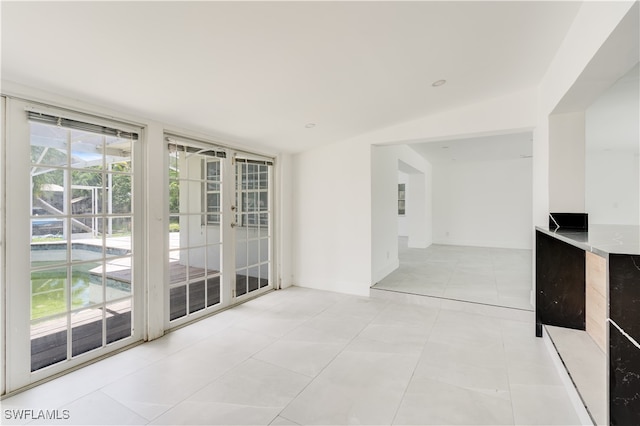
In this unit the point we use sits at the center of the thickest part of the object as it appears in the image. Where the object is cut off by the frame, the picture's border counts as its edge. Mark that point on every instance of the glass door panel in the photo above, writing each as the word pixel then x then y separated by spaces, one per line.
pixel 219 221
pixel 71 283
pixel 252 232
pixel 81 251
pixel 195 234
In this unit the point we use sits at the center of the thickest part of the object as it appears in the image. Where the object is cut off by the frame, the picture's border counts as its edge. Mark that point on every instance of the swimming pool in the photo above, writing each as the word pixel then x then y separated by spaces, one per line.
pixel 49 280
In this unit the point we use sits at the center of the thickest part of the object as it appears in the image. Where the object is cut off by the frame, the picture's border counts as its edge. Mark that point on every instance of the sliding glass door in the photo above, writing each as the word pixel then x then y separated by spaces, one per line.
pixel 219 228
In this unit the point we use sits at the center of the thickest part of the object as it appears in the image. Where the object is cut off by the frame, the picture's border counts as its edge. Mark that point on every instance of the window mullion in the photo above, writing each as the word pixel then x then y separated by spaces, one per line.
pixel 67 231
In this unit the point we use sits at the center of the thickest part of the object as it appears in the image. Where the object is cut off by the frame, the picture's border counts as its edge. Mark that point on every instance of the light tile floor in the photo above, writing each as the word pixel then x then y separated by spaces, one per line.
pixel 494 276
pixel 301 356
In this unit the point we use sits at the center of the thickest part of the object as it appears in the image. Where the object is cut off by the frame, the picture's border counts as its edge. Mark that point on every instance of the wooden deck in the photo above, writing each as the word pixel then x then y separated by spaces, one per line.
pixel 177 273
pixel 50 346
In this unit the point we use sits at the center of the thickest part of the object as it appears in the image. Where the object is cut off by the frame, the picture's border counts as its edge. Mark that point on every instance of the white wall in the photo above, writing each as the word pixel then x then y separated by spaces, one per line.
pixel 612 161
pixel 403 226
pixel 384 211
pixel 566 162
pixel 483 203
pixel 332 219
pixel 613 188
pixel 385 161
pixel 419 211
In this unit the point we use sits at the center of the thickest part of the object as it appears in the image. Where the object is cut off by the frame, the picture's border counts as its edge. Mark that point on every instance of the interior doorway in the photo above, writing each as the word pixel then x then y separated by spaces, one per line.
pixel 476 219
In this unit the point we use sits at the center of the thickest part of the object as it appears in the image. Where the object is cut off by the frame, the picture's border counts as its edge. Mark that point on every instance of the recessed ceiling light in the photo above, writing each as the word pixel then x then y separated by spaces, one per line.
pixel 438 83
pixel 445 147
pixel 310 125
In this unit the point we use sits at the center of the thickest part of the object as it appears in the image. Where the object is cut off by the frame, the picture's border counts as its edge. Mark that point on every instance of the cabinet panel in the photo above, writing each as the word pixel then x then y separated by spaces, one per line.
pixel 596 301
pixel 560 288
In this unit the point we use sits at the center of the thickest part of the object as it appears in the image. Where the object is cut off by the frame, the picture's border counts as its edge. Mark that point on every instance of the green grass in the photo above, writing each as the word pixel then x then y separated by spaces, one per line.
pixel 48 291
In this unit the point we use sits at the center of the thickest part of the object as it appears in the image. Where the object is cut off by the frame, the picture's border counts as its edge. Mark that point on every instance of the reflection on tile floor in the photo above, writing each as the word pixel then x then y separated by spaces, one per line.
pixel 301 356
pixel 493 276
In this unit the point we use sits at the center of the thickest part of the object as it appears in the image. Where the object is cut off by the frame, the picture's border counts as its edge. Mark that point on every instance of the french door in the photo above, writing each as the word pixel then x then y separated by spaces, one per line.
pixel 73 239
pixel 220 233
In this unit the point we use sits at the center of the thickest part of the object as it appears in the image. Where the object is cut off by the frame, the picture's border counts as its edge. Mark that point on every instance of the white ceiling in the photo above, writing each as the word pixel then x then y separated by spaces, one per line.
pixel 488 148
pixel 258 72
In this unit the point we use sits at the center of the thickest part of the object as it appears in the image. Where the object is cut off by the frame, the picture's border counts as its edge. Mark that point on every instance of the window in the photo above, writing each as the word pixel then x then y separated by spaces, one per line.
pixel 213 193
pixel 401 199
pixel 253 192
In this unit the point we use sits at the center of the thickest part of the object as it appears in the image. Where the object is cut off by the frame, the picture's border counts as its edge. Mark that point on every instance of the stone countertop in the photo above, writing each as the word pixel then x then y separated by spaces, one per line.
pixel 601 239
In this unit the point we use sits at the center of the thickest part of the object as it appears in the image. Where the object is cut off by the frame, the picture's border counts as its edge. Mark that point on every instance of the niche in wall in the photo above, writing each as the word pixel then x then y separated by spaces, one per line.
pixel 605 183
pixel 612 153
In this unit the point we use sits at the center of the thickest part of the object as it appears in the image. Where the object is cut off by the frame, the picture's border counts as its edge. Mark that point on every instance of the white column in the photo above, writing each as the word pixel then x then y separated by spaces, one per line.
pixel 156 180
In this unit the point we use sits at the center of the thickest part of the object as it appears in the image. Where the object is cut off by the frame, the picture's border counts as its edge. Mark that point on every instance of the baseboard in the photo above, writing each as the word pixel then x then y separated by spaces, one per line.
pixel 418 244
pixel 344 287
pixel 490 244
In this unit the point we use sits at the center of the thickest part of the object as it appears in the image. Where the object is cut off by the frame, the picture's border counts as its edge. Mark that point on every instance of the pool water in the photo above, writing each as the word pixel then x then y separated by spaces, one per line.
pixel 49 287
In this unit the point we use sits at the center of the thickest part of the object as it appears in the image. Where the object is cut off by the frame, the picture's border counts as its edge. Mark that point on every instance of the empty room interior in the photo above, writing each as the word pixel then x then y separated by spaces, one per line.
pixel 329 213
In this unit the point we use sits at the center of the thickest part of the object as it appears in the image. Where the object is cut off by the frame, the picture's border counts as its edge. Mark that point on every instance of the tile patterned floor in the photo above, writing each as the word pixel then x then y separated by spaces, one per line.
pixel 494 276
pixel 301 356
